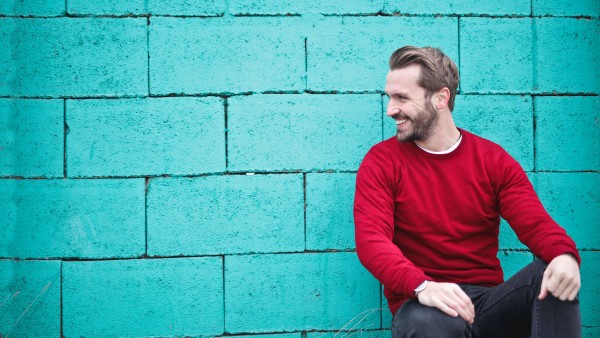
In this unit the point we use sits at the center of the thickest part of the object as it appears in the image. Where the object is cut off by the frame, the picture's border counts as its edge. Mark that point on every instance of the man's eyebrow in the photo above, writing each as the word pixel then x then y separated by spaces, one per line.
pixel 401 94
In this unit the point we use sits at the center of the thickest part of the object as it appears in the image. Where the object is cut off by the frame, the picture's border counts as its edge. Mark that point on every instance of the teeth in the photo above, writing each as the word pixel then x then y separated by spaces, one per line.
pixel 400 121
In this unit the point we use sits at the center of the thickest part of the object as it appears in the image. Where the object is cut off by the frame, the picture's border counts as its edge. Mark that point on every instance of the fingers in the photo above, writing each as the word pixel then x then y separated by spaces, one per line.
pixel 562 283
pixel 449 298
pixel 544 287
pixel 457 303
pixel 464 306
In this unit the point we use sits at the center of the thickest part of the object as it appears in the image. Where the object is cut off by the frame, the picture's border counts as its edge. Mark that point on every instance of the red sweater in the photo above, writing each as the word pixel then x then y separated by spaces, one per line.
pixel 422 216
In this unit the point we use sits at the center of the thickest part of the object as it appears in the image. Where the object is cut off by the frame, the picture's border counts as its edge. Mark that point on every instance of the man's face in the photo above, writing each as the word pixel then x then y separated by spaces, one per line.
pixel 414 114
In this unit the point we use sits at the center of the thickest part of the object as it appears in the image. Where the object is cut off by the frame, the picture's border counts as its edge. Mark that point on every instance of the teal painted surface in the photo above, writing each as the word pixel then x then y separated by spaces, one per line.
pixel 143 7
pixel 329 218
pixel 588 297
pixel 73 57
pixel 507 238
pixel 589 332
pixel 301 132
pixel 513 261
pixel 188 7
pixel 351 54
pixel 567 133
pixel 573 200
pixel 275 335
pixel 566 7
pixel 30 292
pixel 292 7
pixel 32 7
pixel 460 7
pixel 106 7
pixel 567 52
pixel 503 119
pixel 251 54
pixel 134 137
pixel 290 89
pixel 72 218
pixel 496 55
pixel 143 297
pixel 225 215
pixel 289 292
pixel 31 138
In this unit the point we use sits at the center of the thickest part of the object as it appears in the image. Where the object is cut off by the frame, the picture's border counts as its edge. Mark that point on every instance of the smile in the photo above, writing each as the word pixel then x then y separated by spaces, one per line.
pixel 399 122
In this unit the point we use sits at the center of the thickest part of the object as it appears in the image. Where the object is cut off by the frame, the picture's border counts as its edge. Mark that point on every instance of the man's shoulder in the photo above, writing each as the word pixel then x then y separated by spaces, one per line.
pixel 481 142
pixel 388 149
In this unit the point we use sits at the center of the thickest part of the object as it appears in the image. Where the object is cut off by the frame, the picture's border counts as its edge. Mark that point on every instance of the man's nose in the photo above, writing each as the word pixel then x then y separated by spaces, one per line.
pixel 391 111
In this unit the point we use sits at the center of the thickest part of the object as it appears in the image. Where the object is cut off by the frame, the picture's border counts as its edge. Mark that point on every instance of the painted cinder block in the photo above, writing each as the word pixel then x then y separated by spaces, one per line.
pixel 187 7
pixel 509 41
pixel 30 298
pixel 458 7
pixel 272 335
pixel 289 292
pixel 31 138
pixel 507 239
pixel 107 7
pixel 504 119
pixel 589 298
pixel 32 7
pixel 148 297
pixel 329 205
pixel 250 54
pixel 590 332
pixel 73 57
pixel 386 315
pixel 573 200
pixel 513 261
pixel 291 7
pixel 567 52
pixel 301 132
pixel 72 218
pixel 225 215
pixel 144 7
pixel 567 133
pixel 351 53
pixel 155 136
pixel 566 7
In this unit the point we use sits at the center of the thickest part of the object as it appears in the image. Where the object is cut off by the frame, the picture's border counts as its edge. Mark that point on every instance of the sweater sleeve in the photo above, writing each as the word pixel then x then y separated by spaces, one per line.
pixel 374 226
pixel 520 206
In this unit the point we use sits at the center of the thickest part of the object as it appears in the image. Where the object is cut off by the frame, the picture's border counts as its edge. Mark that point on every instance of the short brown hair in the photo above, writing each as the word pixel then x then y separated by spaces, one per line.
pixel 437 69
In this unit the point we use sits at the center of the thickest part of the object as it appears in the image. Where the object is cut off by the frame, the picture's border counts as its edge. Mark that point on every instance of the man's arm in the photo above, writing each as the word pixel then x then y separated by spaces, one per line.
pixel 374 225
pixel 374 231
pixel 521 207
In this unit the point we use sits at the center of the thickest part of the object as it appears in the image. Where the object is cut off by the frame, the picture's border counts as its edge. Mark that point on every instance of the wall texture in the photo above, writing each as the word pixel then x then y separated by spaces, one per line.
pixel 186 168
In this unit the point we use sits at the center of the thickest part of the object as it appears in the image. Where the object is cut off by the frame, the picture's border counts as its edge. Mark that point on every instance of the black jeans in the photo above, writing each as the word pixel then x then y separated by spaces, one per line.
pixel 510 310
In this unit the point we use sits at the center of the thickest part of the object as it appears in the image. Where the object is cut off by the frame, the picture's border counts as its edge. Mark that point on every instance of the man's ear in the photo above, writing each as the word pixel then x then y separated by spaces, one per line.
pixel 441 97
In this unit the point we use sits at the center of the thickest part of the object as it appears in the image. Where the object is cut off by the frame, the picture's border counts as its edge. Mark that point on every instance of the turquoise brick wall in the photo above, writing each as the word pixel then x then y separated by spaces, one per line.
pixel 186 168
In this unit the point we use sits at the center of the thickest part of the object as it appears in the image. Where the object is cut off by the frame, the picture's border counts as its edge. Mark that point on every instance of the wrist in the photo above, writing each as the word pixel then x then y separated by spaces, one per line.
pixel 421 287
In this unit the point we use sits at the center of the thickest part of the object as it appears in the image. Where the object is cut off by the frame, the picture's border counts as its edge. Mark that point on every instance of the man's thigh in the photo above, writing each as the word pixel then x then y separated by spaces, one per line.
pixel 506 310
pixel 416 320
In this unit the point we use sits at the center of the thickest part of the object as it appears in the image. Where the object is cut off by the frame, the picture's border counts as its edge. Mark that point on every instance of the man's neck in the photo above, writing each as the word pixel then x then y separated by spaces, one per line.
pixel 443 137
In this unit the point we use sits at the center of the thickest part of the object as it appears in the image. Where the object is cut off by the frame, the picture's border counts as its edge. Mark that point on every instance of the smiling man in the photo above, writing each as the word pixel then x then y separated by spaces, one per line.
pixel 427 212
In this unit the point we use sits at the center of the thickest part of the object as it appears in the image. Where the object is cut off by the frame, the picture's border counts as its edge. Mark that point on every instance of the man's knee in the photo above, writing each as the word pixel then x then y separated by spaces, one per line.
pixel 416 320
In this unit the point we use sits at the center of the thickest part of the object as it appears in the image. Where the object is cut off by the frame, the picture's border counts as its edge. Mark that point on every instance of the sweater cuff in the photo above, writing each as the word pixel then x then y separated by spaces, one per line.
pixel 565 249
pixel 413 283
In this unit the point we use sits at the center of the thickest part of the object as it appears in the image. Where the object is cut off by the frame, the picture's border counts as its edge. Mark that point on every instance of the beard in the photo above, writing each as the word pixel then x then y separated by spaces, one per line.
pixel 422 125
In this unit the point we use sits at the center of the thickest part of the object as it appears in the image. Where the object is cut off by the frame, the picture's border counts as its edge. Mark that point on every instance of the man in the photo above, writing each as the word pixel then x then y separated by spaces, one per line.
pixel 427 211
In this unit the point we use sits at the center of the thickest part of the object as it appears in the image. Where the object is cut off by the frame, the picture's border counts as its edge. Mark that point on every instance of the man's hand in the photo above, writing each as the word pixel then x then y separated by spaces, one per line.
pixel 561 278
pixel 449 298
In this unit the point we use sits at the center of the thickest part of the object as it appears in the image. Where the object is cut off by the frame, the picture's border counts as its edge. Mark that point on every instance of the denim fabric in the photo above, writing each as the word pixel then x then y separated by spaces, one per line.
pixel 509 310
